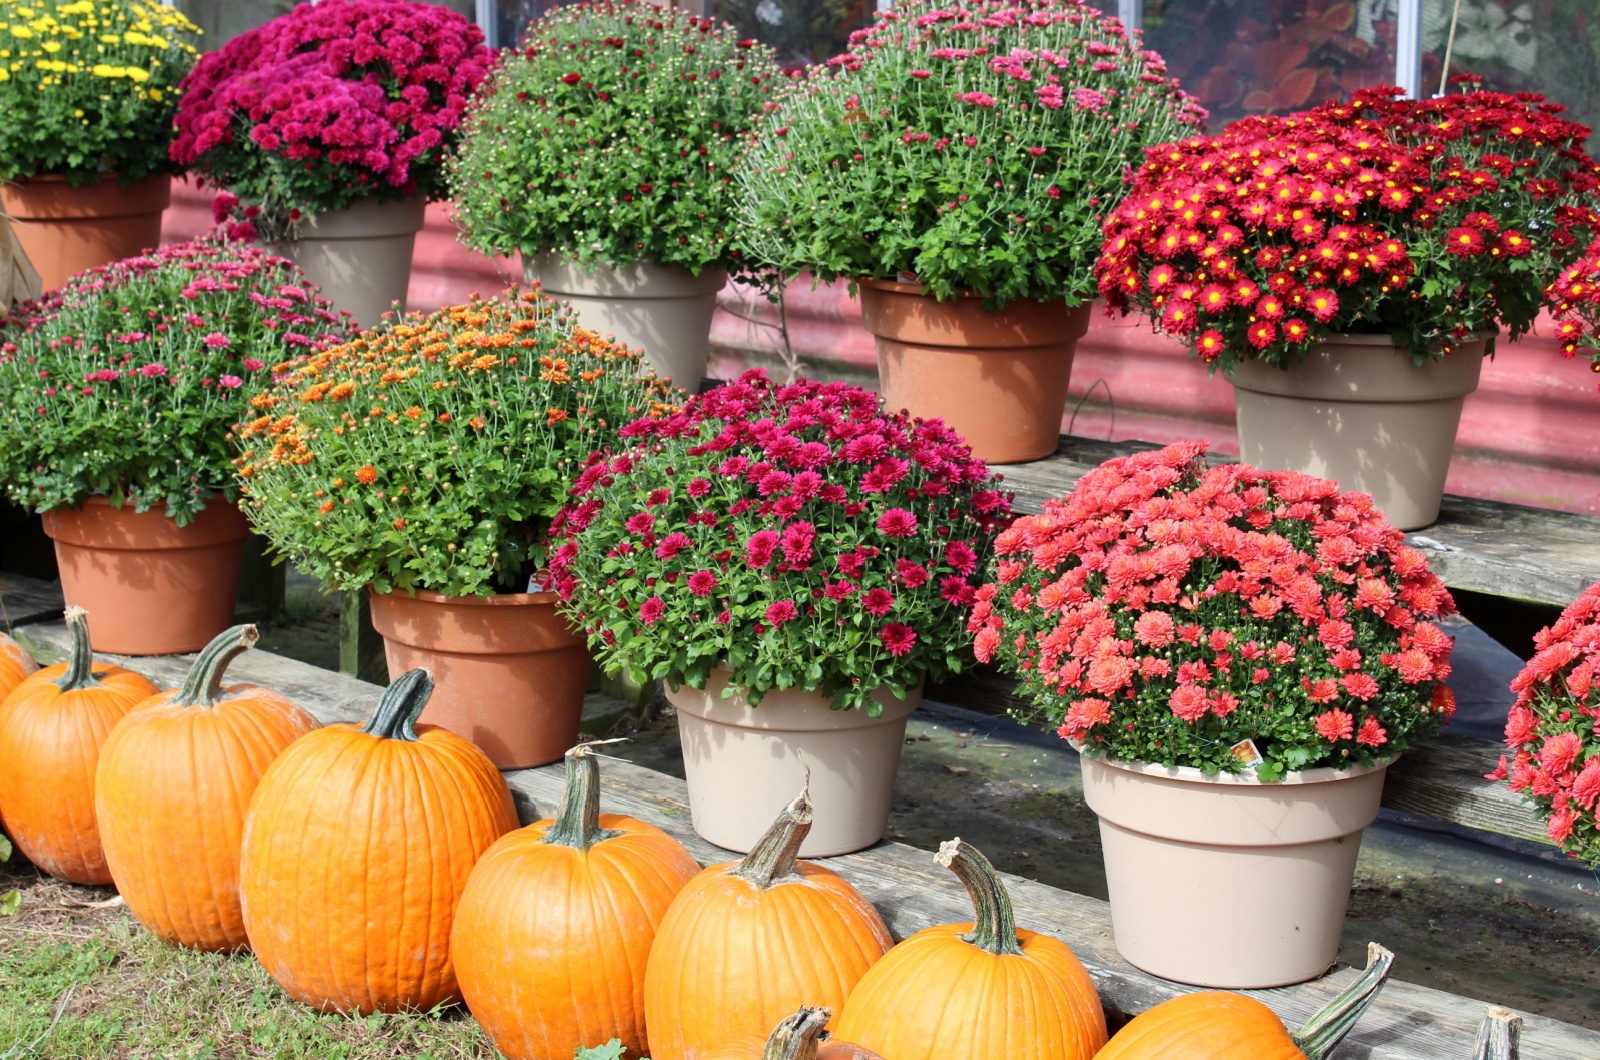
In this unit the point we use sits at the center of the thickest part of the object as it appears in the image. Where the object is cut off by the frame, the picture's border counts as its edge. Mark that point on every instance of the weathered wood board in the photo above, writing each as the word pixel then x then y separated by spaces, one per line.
pixel 1505 550
pixel 1408 1022
pixel 24 599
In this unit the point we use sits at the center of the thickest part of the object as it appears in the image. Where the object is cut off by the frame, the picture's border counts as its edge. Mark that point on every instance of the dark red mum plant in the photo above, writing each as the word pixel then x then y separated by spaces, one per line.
pixel 330 103
pixel 798 535
pixel 1166 611
pixel 1553 730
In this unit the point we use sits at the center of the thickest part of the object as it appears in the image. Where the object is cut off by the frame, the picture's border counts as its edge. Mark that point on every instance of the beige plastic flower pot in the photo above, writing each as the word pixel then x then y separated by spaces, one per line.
pixel 360 256
pixel 745 763
pixel 658 308
pixel 1226 881
pixel 1357 411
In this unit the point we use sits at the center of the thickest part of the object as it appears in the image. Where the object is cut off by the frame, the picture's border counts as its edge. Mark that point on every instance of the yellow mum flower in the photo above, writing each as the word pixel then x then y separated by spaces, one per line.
pixel 21 31
pixel 137 73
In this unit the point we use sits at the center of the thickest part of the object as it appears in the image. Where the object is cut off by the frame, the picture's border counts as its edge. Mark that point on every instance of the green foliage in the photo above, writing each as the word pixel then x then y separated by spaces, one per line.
pixel 935 151
pixel 612 137
pixel 432 452
pixel 128 381
pixel 612 1050
pixel 88 88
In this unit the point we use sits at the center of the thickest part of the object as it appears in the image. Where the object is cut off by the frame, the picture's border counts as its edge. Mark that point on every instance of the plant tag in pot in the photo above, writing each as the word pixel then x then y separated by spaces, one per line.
pixel 1246 753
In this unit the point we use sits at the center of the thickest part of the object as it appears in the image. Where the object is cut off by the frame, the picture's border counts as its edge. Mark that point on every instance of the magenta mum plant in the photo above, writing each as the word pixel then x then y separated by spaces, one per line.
pixel 331 103
pixel 1167 610
pixel 128 380
pixel 1553 729
pixel 798 535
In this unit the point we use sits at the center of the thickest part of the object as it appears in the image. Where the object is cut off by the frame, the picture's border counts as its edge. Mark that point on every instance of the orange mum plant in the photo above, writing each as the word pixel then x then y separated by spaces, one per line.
pixel 431 452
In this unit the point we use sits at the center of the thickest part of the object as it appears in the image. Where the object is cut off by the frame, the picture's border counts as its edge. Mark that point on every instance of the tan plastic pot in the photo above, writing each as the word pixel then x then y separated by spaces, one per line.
pixel 150 586
pixel 1226 881
pixel 509 674
pixel 65 230
pixel 1357 411
pixel 360 256
pixel 998 379
pixel 658 308
pixel 744 764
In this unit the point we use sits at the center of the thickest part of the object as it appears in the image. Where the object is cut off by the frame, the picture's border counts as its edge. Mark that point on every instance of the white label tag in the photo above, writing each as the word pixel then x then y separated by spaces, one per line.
pixel 1246 754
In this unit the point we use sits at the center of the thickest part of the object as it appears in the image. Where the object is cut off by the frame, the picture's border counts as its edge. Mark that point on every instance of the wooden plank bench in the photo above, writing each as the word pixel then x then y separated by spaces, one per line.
pixel 1408 1022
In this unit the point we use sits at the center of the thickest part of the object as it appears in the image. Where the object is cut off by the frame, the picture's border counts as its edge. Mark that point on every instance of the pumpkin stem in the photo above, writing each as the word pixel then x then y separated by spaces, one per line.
pixel 798 1036
pixel 203 686
pixel 1324 1031
pixel 772 860
pixel 577 822
pixel 402 702
pixel 995 930
pixel 80 662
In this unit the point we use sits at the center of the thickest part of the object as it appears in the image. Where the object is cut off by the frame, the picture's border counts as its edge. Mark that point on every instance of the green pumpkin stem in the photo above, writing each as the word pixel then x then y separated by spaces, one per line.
pixel 80 662
pixel 1324 1031
pixel 402 703
pixel 577 822
pixel 995 928
pixel 798 1036
pixel 1499 1035
pixel 772 860
pixel 203 686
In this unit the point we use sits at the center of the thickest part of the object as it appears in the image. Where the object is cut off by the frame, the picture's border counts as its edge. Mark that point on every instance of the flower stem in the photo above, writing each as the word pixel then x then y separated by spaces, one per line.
pixel 203 686
pixel 995 929
pixel 1325 1030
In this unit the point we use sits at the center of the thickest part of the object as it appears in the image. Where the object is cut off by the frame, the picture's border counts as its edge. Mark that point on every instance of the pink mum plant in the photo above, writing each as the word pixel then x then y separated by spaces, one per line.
pixel 1167 610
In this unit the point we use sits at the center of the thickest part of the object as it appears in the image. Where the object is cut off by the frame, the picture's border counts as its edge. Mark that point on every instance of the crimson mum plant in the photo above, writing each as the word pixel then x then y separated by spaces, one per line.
pixel 798 535
pixel 612 136
pixel 1553 729
pixel 1168 610
pixel 975 146
pixel 127 381
pixel 432 452
pixel 1428 220
pixel 331 103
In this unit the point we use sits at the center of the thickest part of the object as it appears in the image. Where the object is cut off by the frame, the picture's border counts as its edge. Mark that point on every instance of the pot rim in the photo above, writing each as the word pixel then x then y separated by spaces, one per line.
pixel 1368 338
pixel 917 289
pixel 497 600
pixel 1193 775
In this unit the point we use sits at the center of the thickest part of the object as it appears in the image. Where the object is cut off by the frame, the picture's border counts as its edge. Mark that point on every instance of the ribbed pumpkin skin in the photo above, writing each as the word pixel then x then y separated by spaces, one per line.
pixel 937 997
pixel 193 769
pixel 50 744
pixel 15 664
pixel 731 960
pixel 1210 1025
pixel 551 942
pixel 356 850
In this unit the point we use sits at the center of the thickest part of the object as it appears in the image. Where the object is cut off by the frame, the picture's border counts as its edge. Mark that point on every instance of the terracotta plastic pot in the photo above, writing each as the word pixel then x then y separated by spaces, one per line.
pixel 65 230
pixel 509 674
pixel 998 379
pixel 1357 411
pixel 658 308
pixel 150 586
pixel 743 764
pixel 360 256
pixel 1226 881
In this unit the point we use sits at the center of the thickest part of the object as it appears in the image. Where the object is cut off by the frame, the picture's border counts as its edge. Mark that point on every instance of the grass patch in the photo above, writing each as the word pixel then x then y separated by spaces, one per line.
pixel 80 983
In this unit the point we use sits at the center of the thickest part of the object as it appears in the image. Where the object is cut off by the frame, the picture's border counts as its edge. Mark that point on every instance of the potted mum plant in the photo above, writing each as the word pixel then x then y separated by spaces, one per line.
pixel 1239 655
pixel 329 128
pixel 1349 267
pixel 422 462
pixel 1553 729
pixel 604 151
pixel 771 553
pixel 88 89
pixel 118 394
pixel 957 163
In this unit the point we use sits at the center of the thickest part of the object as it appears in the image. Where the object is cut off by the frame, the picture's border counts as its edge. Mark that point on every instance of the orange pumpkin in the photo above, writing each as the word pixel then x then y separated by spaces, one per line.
pixel 1216 1025
pixel 976 991
pixel 747 942
pixel 51 728
pixel 15 664
pixel 555 925
pixel 357 846
pixel 799 1037
pixel 190 759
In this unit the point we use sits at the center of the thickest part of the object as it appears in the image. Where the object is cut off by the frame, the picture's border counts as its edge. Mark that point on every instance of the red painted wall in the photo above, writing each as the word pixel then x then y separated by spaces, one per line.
pixel 1528 435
